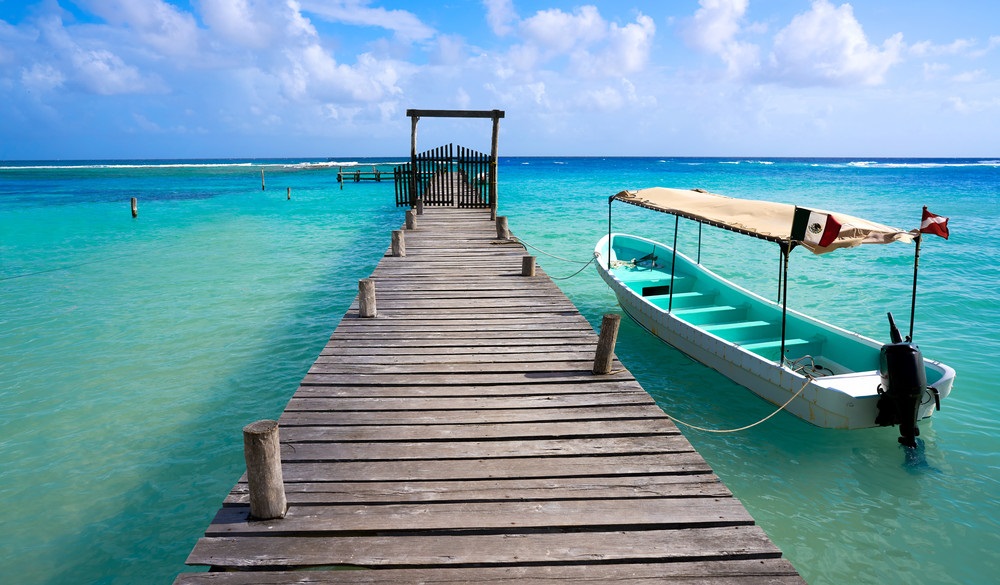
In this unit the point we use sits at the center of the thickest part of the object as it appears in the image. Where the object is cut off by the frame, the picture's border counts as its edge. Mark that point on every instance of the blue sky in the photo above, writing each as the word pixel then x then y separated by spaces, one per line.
pixel 316 78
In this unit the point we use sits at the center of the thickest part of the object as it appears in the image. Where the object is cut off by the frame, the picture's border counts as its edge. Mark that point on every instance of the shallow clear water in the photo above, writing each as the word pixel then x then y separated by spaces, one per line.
pixel 134 350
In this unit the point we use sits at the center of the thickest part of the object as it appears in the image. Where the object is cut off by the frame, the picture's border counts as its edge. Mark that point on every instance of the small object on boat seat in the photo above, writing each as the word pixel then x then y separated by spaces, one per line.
pixel 661 289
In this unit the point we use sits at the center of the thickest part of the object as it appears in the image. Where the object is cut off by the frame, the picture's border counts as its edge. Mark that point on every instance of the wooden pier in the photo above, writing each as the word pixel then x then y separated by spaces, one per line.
pixel 460 436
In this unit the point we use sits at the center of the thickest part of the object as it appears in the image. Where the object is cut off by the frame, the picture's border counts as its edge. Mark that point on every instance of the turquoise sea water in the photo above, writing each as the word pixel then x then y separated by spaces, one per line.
pixel 134 350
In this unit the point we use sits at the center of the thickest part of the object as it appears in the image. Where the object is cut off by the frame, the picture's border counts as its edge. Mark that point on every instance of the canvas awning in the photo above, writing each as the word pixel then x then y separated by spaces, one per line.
pixel 762 219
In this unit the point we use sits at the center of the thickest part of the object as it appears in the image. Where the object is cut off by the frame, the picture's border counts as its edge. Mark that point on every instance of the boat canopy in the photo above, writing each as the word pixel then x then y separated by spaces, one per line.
pixel 762 219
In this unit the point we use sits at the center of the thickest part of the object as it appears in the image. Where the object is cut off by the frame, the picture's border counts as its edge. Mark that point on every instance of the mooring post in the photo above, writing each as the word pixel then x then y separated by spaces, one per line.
pixel 527 266
pixel 420 206
pixel 411 219
pixel 503 232
pixel 366 298
pixel 262 452
pixel 398 243
pixel 135 207
pixel 606 343
pixel 289 193
pixel 262 179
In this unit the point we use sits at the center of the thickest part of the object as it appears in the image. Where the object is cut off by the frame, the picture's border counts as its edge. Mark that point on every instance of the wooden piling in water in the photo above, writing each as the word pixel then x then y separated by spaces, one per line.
pixel 366 298
pixel 262 452
pixel 135 207
pixel 289 193
pixel 503 232
pixel 606 343
pixel 262 179
pixel 398 243
pixel 528 266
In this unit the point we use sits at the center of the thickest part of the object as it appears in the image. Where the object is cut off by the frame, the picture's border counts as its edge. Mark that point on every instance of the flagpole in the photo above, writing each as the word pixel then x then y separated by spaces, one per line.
pixel 913 297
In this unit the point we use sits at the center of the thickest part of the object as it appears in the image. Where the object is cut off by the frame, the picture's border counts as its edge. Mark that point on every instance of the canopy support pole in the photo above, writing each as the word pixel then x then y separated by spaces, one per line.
pixel 781 270
pixel 673 264
pixel 913 296
pixel 699 242
pixel 608 260
pixel 786 249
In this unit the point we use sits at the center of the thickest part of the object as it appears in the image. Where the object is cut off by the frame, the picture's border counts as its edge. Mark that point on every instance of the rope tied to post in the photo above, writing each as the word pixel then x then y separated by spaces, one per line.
pixel 749 426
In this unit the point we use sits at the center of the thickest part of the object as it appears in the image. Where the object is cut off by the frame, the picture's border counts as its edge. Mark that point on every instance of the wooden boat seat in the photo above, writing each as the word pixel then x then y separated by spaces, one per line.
pixel 740 331
pixel 712 314
pixel 683 300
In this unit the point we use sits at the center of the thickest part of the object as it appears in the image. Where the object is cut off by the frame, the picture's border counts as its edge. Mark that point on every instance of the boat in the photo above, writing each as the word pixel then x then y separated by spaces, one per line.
pixel 819 372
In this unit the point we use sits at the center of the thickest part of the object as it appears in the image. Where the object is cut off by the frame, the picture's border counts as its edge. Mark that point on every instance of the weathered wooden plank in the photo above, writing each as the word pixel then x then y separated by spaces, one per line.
pixel 496 415
pixel 513 516
pixel 460 432
pixel 334 391
pixel 731 542
pixel 459 403
pixel 463 378
pixel 770 571
pixel 329 365
pixel 515 467
pixel 472 449
pixel 524 490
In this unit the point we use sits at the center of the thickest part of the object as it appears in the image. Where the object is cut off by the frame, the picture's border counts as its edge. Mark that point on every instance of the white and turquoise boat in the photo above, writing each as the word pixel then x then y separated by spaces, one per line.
pixel 823 374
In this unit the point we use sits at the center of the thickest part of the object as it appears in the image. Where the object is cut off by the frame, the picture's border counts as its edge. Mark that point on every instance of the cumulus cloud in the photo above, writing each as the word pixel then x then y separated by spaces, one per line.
pixel 715 28
pixel 358 13
pixel 93 67
pixel 243 23
pixel 825 45
pixel 500 15
pixel 156 23
pixel 593 45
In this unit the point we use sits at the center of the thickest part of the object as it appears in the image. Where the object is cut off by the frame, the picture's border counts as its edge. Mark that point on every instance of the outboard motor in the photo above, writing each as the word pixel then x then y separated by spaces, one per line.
pixel 901 366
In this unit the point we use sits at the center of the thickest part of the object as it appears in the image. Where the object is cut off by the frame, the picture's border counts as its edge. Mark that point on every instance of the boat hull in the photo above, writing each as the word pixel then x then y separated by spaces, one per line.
pixel 737 333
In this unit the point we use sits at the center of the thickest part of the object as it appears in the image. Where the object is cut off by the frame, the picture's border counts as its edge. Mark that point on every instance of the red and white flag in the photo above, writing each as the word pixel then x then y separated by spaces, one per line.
pixel 934 224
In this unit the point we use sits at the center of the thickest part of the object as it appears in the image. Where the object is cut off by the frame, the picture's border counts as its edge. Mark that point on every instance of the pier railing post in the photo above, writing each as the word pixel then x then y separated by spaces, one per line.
pixel 503 232
pixel 398 243
pixel 262 451
pixel 606 343
pixel 366 298
pixel 527 266
pixel 411 219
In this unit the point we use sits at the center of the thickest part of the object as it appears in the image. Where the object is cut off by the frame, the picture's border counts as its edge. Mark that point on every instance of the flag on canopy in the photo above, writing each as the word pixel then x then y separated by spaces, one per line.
pixel 814 227
pixel 934 224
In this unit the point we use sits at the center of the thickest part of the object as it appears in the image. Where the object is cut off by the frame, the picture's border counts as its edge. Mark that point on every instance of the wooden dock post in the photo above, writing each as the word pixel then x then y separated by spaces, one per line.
pixel 411 219
pixel 366 298
pixel 398 243
pixel 420 206
pixel 135 207
pixel 528 266
pixel 503 232
pixel 606 343
pixel 262 452
pixel 262 179
pixel 289 193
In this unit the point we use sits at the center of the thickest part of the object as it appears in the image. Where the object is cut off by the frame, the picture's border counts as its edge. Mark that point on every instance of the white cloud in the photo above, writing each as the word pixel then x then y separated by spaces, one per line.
pixel 42 78
pixel 158 24
pixel 244 23
pixel 928 49
pixel 827 46
pixel 592 45
pixel 500 15
pixel 357 12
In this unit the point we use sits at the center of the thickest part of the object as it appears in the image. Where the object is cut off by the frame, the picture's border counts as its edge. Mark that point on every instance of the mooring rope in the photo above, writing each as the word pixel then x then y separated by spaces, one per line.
pixel 519 240
pixel 750 426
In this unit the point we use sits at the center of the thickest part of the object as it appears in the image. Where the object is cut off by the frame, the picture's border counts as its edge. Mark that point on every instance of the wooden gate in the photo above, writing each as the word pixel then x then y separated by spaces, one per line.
pixel 445 176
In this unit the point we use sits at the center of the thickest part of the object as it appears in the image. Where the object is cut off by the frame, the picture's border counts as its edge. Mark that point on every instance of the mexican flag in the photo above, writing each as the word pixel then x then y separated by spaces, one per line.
pixel 814 227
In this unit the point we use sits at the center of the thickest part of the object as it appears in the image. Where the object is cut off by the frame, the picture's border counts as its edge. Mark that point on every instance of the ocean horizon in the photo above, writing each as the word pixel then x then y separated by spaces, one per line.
pixel 136 349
